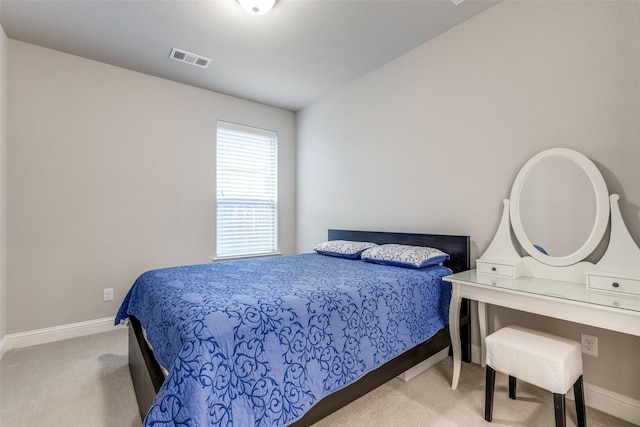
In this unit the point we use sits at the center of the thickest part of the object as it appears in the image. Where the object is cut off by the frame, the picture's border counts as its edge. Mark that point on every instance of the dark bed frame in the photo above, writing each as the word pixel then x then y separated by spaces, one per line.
pixel 148 377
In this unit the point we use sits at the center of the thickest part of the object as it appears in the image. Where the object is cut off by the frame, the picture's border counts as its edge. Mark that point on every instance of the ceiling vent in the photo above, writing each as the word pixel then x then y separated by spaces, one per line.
pixel 189 58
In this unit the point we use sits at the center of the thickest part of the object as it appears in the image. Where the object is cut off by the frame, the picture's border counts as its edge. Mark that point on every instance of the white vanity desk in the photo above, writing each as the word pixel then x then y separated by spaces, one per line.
pixel 559 210
pixel 562 300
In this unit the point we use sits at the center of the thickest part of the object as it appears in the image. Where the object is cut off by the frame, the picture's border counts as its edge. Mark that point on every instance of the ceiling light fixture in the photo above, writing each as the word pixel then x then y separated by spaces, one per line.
pixel 257 7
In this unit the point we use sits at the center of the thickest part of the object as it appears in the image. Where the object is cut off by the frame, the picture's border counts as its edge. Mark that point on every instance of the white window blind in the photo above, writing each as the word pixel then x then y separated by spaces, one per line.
pixel 247 183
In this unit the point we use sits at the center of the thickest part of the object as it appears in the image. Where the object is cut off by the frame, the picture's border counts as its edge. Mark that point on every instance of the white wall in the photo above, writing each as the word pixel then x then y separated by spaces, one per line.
pixel 3 185
pixel 432 141
pixel 112 173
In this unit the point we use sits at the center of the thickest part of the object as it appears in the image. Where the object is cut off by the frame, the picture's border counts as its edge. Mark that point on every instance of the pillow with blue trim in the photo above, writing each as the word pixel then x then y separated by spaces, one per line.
pixel 405 255
pixel 343 248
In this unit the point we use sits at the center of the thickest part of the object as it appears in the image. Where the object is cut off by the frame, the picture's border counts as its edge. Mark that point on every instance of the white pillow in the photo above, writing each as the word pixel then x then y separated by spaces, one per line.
pixel 405 255
pixel 343 248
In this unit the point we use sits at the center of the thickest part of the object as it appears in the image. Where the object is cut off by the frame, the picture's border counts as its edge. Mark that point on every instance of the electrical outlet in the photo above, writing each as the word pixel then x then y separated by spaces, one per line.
pixel 589 344
pixel 108 294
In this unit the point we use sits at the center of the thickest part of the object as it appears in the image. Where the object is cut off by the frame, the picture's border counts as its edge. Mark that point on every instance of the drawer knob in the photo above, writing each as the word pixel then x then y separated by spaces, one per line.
pixel 615 284
pixel 493 269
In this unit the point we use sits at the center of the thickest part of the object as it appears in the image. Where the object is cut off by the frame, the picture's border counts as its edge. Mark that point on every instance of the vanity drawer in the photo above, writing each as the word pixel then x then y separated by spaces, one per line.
pixel 495 268
pixel 614 284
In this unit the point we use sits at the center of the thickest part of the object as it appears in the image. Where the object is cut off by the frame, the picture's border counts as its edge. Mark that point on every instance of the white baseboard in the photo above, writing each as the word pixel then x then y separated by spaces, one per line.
pixel 475 354
pixel 55 333
pixel 3 346
pixel 610 402
pixel 604 400
pixel 424 365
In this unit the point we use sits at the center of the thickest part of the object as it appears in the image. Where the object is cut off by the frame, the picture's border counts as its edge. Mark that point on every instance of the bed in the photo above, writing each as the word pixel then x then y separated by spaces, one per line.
pixel 231 375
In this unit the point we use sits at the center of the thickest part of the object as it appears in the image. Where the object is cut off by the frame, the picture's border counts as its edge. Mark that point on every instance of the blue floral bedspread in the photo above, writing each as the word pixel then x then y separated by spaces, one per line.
pixel 259 342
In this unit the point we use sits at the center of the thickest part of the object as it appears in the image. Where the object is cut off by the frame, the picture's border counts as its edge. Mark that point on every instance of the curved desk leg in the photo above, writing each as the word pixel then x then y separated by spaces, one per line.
pixel 482 323
pixel 454 332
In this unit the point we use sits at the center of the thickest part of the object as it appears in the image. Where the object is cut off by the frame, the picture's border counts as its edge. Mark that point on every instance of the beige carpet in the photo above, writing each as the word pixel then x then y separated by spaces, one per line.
pixel 85 382
pixel 428 400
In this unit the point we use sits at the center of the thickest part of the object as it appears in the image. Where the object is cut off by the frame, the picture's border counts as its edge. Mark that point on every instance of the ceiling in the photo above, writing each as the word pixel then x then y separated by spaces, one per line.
pixel 299 52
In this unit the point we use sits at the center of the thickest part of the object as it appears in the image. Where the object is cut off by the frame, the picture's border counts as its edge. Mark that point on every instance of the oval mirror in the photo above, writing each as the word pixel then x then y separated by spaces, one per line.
pixel 559 207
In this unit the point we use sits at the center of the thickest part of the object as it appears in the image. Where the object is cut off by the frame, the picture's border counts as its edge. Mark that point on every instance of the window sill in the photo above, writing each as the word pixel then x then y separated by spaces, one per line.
pixel 241 257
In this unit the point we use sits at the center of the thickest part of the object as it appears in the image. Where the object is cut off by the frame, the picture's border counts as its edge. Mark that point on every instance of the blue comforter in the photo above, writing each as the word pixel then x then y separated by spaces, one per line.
pixel 259 342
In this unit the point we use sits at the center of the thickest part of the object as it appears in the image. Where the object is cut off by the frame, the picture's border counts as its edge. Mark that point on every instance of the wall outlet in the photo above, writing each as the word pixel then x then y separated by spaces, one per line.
pixel 108 294
pixel 589 345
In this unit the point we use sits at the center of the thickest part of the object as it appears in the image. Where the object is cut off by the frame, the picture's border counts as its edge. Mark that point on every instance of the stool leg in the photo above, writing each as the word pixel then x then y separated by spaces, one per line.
pixel 578 392
pixel 488 393
pixel 512 387
pixel 559 405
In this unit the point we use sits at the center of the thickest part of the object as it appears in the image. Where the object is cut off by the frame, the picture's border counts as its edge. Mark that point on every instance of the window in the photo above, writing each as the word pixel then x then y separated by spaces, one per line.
pixel 247 183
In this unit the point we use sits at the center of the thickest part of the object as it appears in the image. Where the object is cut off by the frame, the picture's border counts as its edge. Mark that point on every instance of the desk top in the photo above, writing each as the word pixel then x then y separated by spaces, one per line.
pixel 577 292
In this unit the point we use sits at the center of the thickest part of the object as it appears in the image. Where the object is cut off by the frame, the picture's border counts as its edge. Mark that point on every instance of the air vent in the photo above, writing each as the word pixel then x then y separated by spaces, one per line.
pixel 189 58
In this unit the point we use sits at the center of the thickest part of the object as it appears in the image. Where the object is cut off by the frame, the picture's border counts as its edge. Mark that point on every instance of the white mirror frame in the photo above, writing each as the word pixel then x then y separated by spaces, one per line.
pixel 602 207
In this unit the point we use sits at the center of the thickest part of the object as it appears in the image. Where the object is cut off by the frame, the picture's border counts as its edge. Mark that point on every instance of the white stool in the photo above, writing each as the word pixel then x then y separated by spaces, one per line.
pixel 544 360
